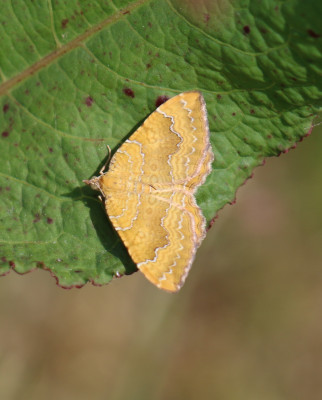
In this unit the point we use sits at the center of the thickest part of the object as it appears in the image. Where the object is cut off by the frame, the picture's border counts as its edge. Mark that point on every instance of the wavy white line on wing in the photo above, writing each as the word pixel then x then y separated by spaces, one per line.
pixel 176 133
pixel 187 156
pixel 167 237
pixel 140 193
pixel 128 194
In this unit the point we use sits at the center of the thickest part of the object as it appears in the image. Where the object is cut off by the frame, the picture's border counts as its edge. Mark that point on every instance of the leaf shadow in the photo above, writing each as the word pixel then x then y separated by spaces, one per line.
pixel 104 229
pixel 107 235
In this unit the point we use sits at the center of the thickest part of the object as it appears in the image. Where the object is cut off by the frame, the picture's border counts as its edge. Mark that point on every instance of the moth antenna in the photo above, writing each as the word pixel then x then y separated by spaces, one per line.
pixel 107 161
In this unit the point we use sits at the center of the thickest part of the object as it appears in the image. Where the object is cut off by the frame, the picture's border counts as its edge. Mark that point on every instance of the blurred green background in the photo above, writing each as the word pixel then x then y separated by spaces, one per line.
pixel 246 325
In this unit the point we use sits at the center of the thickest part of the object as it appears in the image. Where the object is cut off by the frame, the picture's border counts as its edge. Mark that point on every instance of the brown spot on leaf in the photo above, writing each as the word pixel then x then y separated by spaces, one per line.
pixel 160 100
pixel 129 92
pixel 40 264
pixel 5 108
pixel 313 34
pixel 37 218
pixel 89 101
pixel 64 23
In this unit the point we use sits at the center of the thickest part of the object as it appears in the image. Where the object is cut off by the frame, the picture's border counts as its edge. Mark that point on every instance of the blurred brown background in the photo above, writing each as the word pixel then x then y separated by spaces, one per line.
pixel 246 325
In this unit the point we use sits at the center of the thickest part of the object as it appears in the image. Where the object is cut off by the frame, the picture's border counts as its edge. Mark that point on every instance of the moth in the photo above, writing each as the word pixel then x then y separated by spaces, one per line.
pixel 150 185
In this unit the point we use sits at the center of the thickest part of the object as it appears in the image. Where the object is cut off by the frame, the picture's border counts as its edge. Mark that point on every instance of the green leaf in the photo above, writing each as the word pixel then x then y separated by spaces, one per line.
pixel 78 75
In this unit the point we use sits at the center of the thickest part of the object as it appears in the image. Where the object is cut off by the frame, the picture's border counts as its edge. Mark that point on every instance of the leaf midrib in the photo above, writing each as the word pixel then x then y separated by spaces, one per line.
pixel 77 42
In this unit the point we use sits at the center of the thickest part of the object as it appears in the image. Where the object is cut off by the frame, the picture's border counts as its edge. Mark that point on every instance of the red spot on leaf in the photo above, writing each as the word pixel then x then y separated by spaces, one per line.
pixel 5 134
pixel 3 259
pixel 148 66
pixel 212 222
pixel 206 18
pixel 89 101
pixel 129 92
pixel 252 111
pixel 313 34
pixel 218 96
pixel 50 220
pixel 7 188
pixel 50 149
pixel 5 108
pixel 125 12
pixel 160 100
pixel 64 23
pixel 246 29
pixel 12 264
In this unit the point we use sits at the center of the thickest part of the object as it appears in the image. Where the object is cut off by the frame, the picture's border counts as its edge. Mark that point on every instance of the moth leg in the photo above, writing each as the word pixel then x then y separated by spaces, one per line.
pixel 107 161
pixel 100 198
